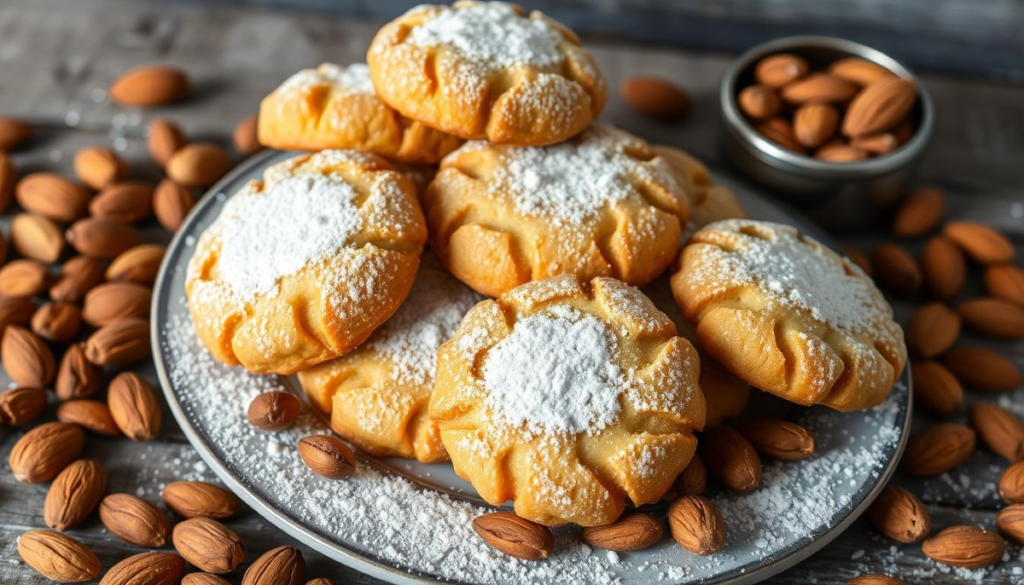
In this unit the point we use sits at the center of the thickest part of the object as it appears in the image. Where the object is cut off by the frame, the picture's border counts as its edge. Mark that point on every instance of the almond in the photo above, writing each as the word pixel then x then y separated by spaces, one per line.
pixel 58 556
pixel 692 480
pixel 98 167
pixel 814 123
pixel 13 133
pixel 938 449
pixel 656 97
pixel 982 243
pixel 114 301
pixel 274 411
pixel 165 138
pixel 206 579
pixel 148 568
pixel 880 106
pixel 320 581
pixel 245 137
pixel 74 494
pixel 779 439
pixel 77 277
pixel 631 532
pixel 135 520
pixel 42 453
pixel 150 85
pixel 837 152
pixel 171 203
pixel 21 406
pixel 77 377
pixel 16 311
pixel 875 580
pixel 780 132
pixel 91 415
pixel 101 238
pixel 1005 282
pixel 936 389
pixel 119 344
pixel 993 317
pixel 859 71
pixel 127 201
pixel 944 267
pixel 1010 522
pixel 781 69
pixel 194 499
pixel 896 269
pixel 904 131
pixel 900 515
pixel 1011 484
pixel 876 144
pixel 860 260
pixel 198 165
pixel 134 406
pixel 8 178
pixel 933 329
pixel 965 546
pixel 731 459
pixel 283 565
pixel 819 87
pixel 209 545
pixel 37 237
pixel 1000 430
pixel 982 369
pixel 696 524
pixel 57 322
pixel 24 278
pixel 52 196
pixel 139 264
pixel 515 536
pixel 27 359
pixel 327 456
pixel 758 102
pixel 919 214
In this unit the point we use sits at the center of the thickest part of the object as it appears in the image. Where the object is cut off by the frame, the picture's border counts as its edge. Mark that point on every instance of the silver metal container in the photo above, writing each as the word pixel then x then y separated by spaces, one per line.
pixel 841 196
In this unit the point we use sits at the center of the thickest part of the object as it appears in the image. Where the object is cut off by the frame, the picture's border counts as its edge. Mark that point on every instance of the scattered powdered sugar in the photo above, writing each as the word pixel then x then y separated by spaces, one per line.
pixel 352 79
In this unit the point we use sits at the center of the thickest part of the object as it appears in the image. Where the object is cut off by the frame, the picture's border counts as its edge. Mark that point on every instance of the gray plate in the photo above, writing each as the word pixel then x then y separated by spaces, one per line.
pixel 800 507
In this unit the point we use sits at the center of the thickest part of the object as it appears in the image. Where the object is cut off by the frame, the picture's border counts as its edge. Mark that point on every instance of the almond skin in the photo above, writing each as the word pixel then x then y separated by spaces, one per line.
pixel 27 359
pixel 814 123
pixel 58 556
pixel 993 317
pixel 21 406
pixel 52 196
pixel 114 301
pixel 127 201
pixel 24 278
pixel 919 214
pixel 779 439
pixel 150 85
pixel 57 322
pixel 139 265
pixel 98 167
pixel 1010 522
pixel 13 133
pixel 880 106
pixel 148 568
pixel 982 369
pixel 778 70
pixel 42 453
pixel 1011 484
pixel 120 343
pixel 896 269
pixel 876 144
pixel 779 131
pixel 515 536
pixel 731 458
pixel 77 277
pixel 198 165
pixel 16 311
pixel 965 546
pixel 1005 282
pixel 77 377
pixel 938 449
pixel 193 499
pixel 859 71
pixel 656 97
pixel 245 136
pixel 875 580
pixel 274 411
pixel 74 495
pixel 101 238
pixel 134 406
pixel 758 102
pixel 283 565
pixel 1000 430
pixel 840 153
pixel 944 267
pixel 165 138
pixel 171 203
pixel 327 456
pixel 692 480
pixel 209 545
pixel 8 178
pixel 819 87
pixel 135 520
pixel 91 415
pixel 631 532
pixel 37 237
pixel 982 243
pixel 936 389
pixel 696 525
pixel 900 515
pixel 933 329
pixel 206 579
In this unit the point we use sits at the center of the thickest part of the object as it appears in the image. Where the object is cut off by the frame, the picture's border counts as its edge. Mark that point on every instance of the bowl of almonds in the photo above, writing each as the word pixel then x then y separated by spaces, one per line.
pixel 831 125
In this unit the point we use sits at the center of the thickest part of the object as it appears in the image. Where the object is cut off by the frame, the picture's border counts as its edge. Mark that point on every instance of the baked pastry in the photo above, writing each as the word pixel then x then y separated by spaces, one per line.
pixel 336 107
pixel 301 267
pixel 788 315
pixel 600 204
pixel 708 202
pixel 377 395
pixel 568 397
pixel 486 70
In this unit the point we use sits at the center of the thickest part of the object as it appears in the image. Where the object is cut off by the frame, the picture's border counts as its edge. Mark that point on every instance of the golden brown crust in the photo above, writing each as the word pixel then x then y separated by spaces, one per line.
pixel 708 202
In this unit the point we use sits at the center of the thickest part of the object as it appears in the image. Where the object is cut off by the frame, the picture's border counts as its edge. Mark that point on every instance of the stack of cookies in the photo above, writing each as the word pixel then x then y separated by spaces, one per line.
pixel 569 392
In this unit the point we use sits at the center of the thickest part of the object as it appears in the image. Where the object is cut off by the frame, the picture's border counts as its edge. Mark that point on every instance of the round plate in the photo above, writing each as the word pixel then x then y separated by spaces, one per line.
pixel 407 522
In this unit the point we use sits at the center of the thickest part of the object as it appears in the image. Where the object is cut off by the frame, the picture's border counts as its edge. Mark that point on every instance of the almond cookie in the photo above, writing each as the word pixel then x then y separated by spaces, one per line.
pixel 336 107
pixel 788 315
pixel 600 204
pixel 378 395
pixel 708 203
pixel 487 70
pixel 567 398
pixel 301 267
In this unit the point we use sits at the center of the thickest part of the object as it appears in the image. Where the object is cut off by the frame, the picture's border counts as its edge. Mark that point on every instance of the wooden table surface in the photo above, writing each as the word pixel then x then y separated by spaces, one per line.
pixel 57 58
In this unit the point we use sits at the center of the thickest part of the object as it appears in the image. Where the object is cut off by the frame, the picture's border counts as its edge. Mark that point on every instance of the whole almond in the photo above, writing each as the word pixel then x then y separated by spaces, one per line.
pixel 876 144
pixel 631 532
pixel 944 267
pixel 119 344
pixel 139 265
pixel 327 456
pixel 1000 430
pixel 274 411
pixel 779 131
pixel 58 557
pixel 283 565
pixel 37 237
pixel 696 524
pixel 656 97
pixel 77 377
pixel 778 70
pixel 320 581
pixel 13 133
pixel 21 406
pixel 77 277
pixel 758 102
pixel 982 369
pixel 245 136
pixel 165 138
pixel 27 359
pixel 134 406
pixel 42 453
pixel 837 152
pixel 8 178
pixel 731 458
pixel 515 536
pixel 779 439
pixel 919 214
pixel 814 123
pixel 148 568
pixel 58 322
pixel 98 167
pixel 880 106
pixel 195 499
pixel 936 389
pixel 135 520
pixel 101 238
pixel 127 201
pixel 205 579
pixel 1010 521
pixel 24 278
pixel 171 203
pixel 900 515
pixel 875 580
pixel 965 546
pixel 819 87
pixel 982 243
pixel 16 311
pixel 209 545
pixel 859 71
pixel 993 317
pixel 91 415
pixel 933 329
pixel 692 480
pixel 1011 483
pixel 114 301
pixel 938 449
pixel 74 494
pixel 52 196
pixel 896 269
pixel 198 165
pixel 1005 282
pixel 150 85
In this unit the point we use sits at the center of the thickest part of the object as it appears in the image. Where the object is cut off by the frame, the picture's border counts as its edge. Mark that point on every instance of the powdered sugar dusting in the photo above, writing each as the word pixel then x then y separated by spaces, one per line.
pixel 354 78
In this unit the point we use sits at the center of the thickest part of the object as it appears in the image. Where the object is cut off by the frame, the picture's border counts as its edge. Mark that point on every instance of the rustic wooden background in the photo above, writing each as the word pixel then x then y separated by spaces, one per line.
pixel 57 58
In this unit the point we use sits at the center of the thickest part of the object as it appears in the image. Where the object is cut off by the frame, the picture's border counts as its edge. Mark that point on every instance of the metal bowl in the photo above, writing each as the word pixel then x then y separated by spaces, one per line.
pixel 842 196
